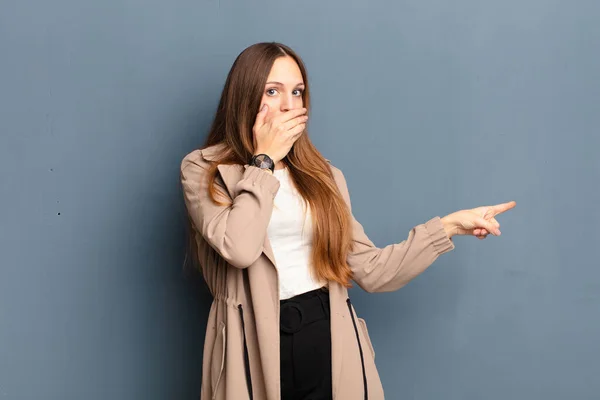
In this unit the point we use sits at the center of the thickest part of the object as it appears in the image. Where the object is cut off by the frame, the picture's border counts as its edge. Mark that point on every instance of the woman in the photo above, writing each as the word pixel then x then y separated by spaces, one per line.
pixel 277 244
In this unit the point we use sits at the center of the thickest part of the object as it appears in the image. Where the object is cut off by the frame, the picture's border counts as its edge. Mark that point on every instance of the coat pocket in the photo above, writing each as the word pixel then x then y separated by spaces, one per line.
pixel 218 359
pixel 363 326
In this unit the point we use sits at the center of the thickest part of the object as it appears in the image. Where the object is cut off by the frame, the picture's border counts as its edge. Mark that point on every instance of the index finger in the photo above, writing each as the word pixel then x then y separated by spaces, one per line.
pixel 500 208
pixel 290 114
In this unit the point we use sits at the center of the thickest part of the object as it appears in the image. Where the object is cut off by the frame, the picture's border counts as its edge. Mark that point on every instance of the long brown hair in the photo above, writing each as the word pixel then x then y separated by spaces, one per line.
pixel 310 171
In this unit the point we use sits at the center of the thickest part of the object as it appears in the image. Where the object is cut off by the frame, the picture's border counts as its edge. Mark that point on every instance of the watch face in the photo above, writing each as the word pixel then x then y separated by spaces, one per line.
pixel 263 161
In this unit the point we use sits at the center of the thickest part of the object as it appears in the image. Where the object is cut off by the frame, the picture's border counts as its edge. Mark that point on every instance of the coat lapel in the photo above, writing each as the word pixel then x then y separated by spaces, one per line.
pixel 231 175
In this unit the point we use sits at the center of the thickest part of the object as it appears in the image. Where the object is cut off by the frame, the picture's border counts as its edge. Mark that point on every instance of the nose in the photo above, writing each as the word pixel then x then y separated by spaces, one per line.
pixel 287 102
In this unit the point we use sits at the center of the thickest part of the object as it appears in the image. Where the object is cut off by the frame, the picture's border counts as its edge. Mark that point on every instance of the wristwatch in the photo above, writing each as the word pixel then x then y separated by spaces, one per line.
pixel 262 161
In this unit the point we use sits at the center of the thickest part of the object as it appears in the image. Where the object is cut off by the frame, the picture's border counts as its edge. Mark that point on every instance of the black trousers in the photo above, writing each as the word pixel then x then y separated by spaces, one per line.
pixel 305 350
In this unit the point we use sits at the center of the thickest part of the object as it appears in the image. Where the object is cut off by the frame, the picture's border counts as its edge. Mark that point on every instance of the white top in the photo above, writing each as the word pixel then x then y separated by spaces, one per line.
pixel 290 234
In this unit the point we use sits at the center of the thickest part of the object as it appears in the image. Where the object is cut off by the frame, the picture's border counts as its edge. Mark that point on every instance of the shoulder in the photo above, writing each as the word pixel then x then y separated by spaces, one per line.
pixel 336 172
pixel 201 158
pixel 196 165
pixel 193 157
pixel 340 180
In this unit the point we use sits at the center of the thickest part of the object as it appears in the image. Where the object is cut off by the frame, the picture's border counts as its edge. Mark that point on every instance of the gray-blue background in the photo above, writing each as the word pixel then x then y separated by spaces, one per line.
pixel 434 105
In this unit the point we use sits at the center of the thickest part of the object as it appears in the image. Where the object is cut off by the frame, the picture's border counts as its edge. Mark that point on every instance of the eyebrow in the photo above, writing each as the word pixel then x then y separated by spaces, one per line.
pixel 281 84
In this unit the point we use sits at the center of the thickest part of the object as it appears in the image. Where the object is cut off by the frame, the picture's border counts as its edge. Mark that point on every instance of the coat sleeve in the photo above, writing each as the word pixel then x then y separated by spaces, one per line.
pixel 236 231
pixel 390 268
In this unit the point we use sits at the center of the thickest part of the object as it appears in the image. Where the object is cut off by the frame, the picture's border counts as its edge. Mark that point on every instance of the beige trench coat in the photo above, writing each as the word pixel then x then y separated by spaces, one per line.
pixel 241 348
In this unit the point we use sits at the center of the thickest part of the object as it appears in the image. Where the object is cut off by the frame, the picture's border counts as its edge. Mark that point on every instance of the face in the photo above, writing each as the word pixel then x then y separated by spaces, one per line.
pixel 284 87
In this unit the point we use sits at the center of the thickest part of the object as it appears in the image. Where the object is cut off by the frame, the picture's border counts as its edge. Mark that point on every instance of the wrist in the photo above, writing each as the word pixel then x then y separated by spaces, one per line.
pixel 262 161
pixel 257 152
pixel 448 226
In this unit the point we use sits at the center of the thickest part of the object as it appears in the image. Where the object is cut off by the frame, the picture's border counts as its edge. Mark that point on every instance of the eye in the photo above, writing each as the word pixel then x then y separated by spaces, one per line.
pixel 298 92
pixel 271 92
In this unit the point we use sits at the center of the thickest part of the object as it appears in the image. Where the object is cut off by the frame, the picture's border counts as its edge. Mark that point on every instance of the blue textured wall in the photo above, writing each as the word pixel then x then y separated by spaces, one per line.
pixel 458 104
